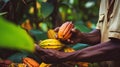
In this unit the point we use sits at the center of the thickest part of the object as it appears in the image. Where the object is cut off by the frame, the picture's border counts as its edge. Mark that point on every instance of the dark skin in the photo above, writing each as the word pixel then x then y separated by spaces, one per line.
pixel 87 38
pixel 100 52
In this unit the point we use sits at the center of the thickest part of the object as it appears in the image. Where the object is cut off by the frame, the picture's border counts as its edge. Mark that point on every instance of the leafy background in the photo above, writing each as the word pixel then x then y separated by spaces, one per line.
pixel 27 21
pixel 38 16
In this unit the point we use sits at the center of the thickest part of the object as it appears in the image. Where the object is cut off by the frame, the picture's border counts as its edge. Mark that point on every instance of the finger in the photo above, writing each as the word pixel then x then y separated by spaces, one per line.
pixel 37 47
pixel 42 57
pixel 74 30
pixel 40 50
pixel 56 29
pixel 70 41
pixel 56 36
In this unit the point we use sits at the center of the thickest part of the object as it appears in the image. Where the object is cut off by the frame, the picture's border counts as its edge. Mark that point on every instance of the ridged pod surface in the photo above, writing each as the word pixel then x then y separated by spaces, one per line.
pixel 64 32
pixel 51 44
pixel 16 65
pixel 45 65
pixel 68 49
pixel 51 34
pixel 30 62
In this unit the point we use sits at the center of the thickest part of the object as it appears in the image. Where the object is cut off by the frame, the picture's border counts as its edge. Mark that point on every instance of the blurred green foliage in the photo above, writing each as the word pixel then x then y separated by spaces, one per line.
pixel 27 22
pixel 14 37
pixel 38 16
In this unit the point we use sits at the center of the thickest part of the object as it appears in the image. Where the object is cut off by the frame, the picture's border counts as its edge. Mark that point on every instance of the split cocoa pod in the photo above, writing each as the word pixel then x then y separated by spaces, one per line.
pixel 30 62
pixel 64 32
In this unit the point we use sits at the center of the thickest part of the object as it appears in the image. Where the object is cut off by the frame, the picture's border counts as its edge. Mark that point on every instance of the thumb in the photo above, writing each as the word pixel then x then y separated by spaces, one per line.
pixel 74 30
pixel 56 29
pixel 39 49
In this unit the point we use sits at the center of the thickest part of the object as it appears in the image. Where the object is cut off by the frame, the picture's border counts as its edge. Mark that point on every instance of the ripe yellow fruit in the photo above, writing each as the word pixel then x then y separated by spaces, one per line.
pixel 45 65
pixel 51 34
pixel 51 44
pixel 68 49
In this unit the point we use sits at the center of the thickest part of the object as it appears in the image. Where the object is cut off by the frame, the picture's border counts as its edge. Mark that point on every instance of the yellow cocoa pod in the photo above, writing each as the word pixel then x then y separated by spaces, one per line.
pixel 83 64
pixel 30 62
pixel 51 34
pixel 64 32
pixel 17 65
pixel 68 49
pixel 45 65
pixel 51 44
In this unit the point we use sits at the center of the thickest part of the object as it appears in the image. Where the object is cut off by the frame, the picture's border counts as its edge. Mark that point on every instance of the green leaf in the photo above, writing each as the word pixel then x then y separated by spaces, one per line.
pixel 80 46
pixel 14 37
pixel 42 0
pixel 38 35
pixel 17 57
pixel 43 26
pixel 46 9
pixel 80 26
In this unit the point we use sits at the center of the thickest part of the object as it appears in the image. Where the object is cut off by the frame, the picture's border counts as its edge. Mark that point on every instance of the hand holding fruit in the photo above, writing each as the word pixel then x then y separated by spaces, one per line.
pixel 76 36
pixel 50 55
pixel 67 33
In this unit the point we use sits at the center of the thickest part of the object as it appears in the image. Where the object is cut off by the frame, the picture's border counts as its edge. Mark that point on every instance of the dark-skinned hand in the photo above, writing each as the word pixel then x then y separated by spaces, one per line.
pixel 50 55
pixel 75 38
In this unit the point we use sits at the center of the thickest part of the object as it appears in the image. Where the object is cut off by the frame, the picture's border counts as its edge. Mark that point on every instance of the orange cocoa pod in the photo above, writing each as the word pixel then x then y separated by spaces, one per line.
pixel 64 32
pixel 30 62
